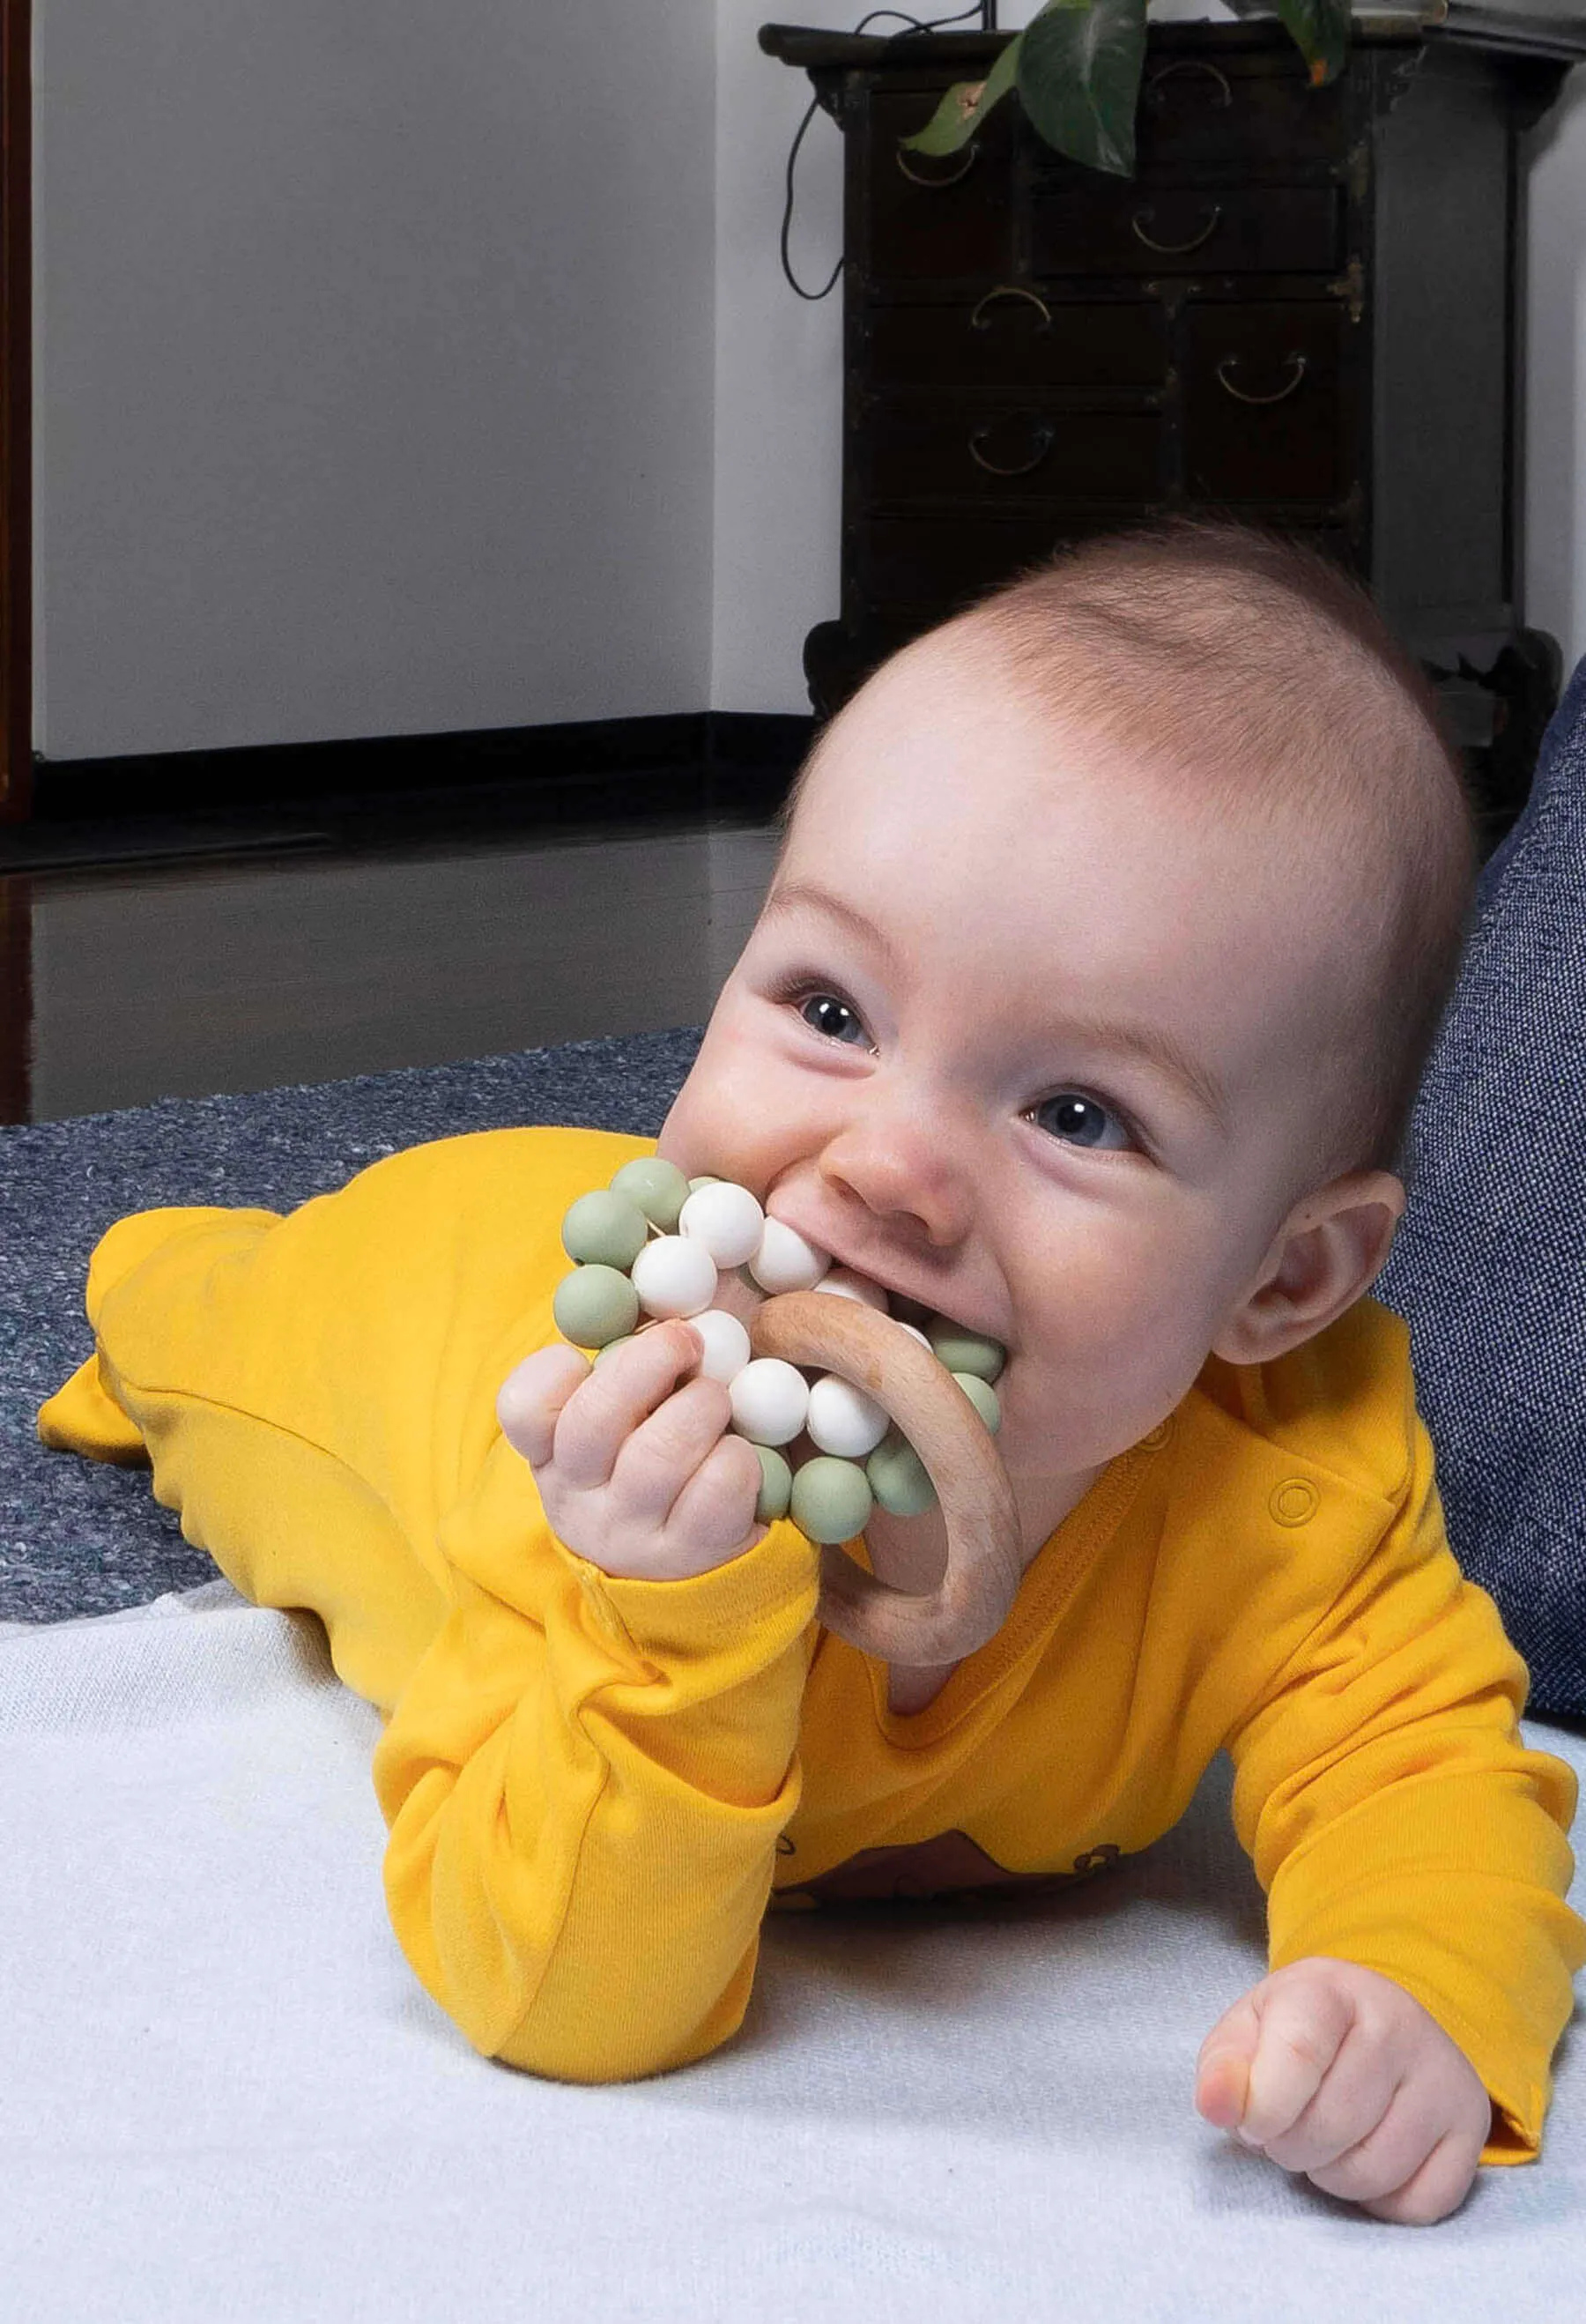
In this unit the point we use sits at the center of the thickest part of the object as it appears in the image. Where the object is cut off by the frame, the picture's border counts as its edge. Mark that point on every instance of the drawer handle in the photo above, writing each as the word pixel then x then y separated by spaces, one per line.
pixel 1242 396
pixel 979 321
pixel 1175 249
pixel 1045 434
pixel 1189 65
pixel 914 178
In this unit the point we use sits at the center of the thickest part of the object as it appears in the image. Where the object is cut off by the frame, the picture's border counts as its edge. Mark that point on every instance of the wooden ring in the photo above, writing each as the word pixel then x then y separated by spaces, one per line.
pixel 960 1456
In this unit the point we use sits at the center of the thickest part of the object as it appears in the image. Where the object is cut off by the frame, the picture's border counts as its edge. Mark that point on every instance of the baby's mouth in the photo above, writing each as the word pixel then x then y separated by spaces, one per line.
pixel 893 1303
pixel 739 1296
pixel 918 1312
pixel 909 1311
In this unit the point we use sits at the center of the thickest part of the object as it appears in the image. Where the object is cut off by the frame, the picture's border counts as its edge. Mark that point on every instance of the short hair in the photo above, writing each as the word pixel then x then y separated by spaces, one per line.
pixel 1259 679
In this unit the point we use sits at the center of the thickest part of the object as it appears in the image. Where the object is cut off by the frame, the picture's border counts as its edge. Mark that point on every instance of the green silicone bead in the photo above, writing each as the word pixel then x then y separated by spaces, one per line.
pixel 965 1352
pixel 595 1305
pixel 899 1478
pixel 604 1353
pixel 695 1183
pixel 607 1229
pixel 831 1498
pixel 776 1488
pixel 983 1398
pixel 659 1189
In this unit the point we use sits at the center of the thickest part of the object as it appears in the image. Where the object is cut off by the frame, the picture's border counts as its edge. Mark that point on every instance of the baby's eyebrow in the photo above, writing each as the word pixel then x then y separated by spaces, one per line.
pixel 790 895
pixel 1151 1044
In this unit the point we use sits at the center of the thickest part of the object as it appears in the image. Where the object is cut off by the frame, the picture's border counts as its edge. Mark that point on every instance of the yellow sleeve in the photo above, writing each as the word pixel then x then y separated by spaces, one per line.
pixel 1396 1819
pixel 83 1414
pixel 584 1782
pixel 585 1778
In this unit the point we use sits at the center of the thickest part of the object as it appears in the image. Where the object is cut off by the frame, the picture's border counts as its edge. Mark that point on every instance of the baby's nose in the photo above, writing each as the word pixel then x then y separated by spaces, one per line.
pixel 923 1209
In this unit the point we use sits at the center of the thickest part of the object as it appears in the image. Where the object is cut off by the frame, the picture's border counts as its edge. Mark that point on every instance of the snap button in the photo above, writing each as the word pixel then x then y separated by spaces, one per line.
pixel 1293 1501
pixel 1158 1435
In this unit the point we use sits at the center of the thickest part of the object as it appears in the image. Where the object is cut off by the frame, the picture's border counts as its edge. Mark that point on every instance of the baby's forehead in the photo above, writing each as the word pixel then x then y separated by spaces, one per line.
pixel 963 765
pixel 951 747
pixel 1137 909
pixel 1010 862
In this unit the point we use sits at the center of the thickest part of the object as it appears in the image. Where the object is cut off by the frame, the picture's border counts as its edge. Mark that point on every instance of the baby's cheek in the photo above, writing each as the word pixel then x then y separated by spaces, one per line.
pixel 704 1137
pixel 1075 1409
pixel 1036 1415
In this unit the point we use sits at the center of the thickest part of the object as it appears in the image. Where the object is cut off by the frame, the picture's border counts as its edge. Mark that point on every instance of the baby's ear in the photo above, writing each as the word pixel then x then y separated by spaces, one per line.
pixel 1329 1250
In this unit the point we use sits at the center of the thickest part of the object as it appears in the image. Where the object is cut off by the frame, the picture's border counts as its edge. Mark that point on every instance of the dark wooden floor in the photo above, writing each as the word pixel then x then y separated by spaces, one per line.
pixel 167 957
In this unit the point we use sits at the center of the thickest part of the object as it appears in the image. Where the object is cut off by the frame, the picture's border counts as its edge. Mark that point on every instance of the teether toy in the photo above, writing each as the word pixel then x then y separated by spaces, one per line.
pixel 899 1416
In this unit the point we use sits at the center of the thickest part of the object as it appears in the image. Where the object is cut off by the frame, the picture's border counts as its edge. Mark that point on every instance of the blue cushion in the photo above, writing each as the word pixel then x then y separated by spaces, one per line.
pixel 1488 1266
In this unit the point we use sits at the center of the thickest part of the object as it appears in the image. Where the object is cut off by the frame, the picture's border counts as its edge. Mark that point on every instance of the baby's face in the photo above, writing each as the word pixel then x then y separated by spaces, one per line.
pixel 908 1065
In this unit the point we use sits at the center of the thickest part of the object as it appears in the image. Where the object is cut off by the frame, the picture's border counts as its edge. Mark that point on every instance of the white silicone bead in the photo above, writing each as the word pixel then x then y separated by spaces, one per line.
pixel 844 1420
pixel 914 1333
pixel 771 1401
pixel 843 1281
pixel 673 1277
pixel 727 1344
pixel 785 1261
pixel 726 1218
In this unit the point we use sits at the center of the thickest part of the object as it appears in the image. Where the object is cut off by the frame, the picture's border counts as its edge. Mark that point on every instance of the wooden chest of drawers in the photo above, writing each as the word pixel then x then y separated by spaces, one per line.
pixel 1300 310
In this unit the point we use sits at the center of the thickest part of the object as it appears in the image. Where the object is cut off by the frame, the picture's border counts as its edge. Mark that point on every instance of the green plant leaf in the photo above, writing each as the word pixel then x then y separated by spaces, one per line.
pixel 966 106
pixel 1321 33
pixel 1079 78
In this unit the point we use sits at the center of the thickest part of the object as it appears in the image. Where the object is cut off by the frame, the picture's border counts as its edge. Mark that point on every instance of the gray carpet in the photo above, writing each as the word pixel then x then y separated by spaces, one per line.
pixel 80 1538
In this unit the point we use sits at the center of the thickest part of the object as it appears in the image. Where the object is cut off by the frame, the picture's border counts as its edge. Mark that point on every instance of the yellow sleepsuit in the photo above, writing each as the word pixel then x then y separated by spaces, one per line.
pixel 593 1786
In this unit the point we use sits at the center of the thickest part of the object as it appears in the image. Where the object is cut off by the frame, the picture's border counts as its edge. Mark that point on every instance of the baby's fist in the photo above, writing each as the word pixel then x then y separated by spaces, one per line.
pixel 1337 2071
pixel 636 1473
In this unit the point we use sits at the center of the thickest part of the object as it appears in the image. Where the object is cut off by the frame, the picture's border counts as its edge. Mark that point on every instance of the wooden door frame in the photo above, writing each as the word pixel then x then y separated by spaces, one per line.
pixel 16 403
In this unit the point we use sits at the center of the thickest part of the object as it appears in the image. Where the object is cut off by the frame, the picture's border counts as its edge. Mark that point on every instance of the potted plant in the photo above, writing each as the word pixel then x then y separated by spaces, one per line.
pixel 1076 67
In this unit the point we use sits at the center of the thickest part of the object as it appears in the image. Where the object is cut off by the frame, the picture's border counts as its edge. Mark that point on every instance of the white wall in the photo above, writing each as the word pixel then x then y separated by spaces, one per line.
pixel 374 357
pixel 429 365
pixel 778 363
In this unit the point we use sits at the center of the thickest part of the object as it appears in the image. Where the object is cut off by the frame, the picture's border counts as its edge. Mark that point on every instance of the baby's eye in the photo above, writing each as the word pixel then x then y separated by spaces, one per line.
pixel 1072 1111
pixel 828 1012
pixel 1076 1118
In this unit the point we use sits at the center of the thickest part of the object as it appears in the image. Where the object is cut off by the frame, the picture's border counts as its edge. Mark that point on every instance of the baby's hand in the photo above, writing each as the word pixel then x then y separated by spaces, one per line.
pixel 643 1483
pixel 1337 2071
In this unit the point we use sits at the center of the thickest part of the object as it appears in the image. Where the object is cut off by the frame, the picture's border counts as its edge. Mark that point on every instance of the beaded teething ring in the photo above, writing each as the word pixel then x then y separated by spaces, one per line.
pixel 916 1408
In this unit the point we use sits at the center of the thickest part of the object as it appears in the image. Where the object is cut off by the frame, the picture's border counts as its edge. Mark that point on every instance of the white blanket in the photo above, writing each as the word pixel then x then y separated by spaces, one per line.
pixel 223 2094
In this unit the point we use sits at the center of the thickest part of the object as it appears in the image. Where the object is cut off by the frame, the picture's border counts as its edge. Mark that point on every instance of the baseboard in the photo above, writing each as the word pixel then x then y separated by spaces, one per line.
pixel 695 758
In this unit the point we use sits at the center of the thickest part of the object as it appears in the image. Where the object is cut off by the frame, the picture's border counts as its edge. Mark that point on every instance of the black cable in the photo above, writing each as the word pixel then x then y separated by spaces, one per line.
pixel 984 9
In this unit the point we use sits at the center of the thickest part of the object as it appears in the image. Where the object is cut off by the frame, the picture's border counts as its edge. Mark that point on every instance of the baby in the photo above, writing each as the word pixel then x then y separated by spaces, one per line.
pixel 1109 935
